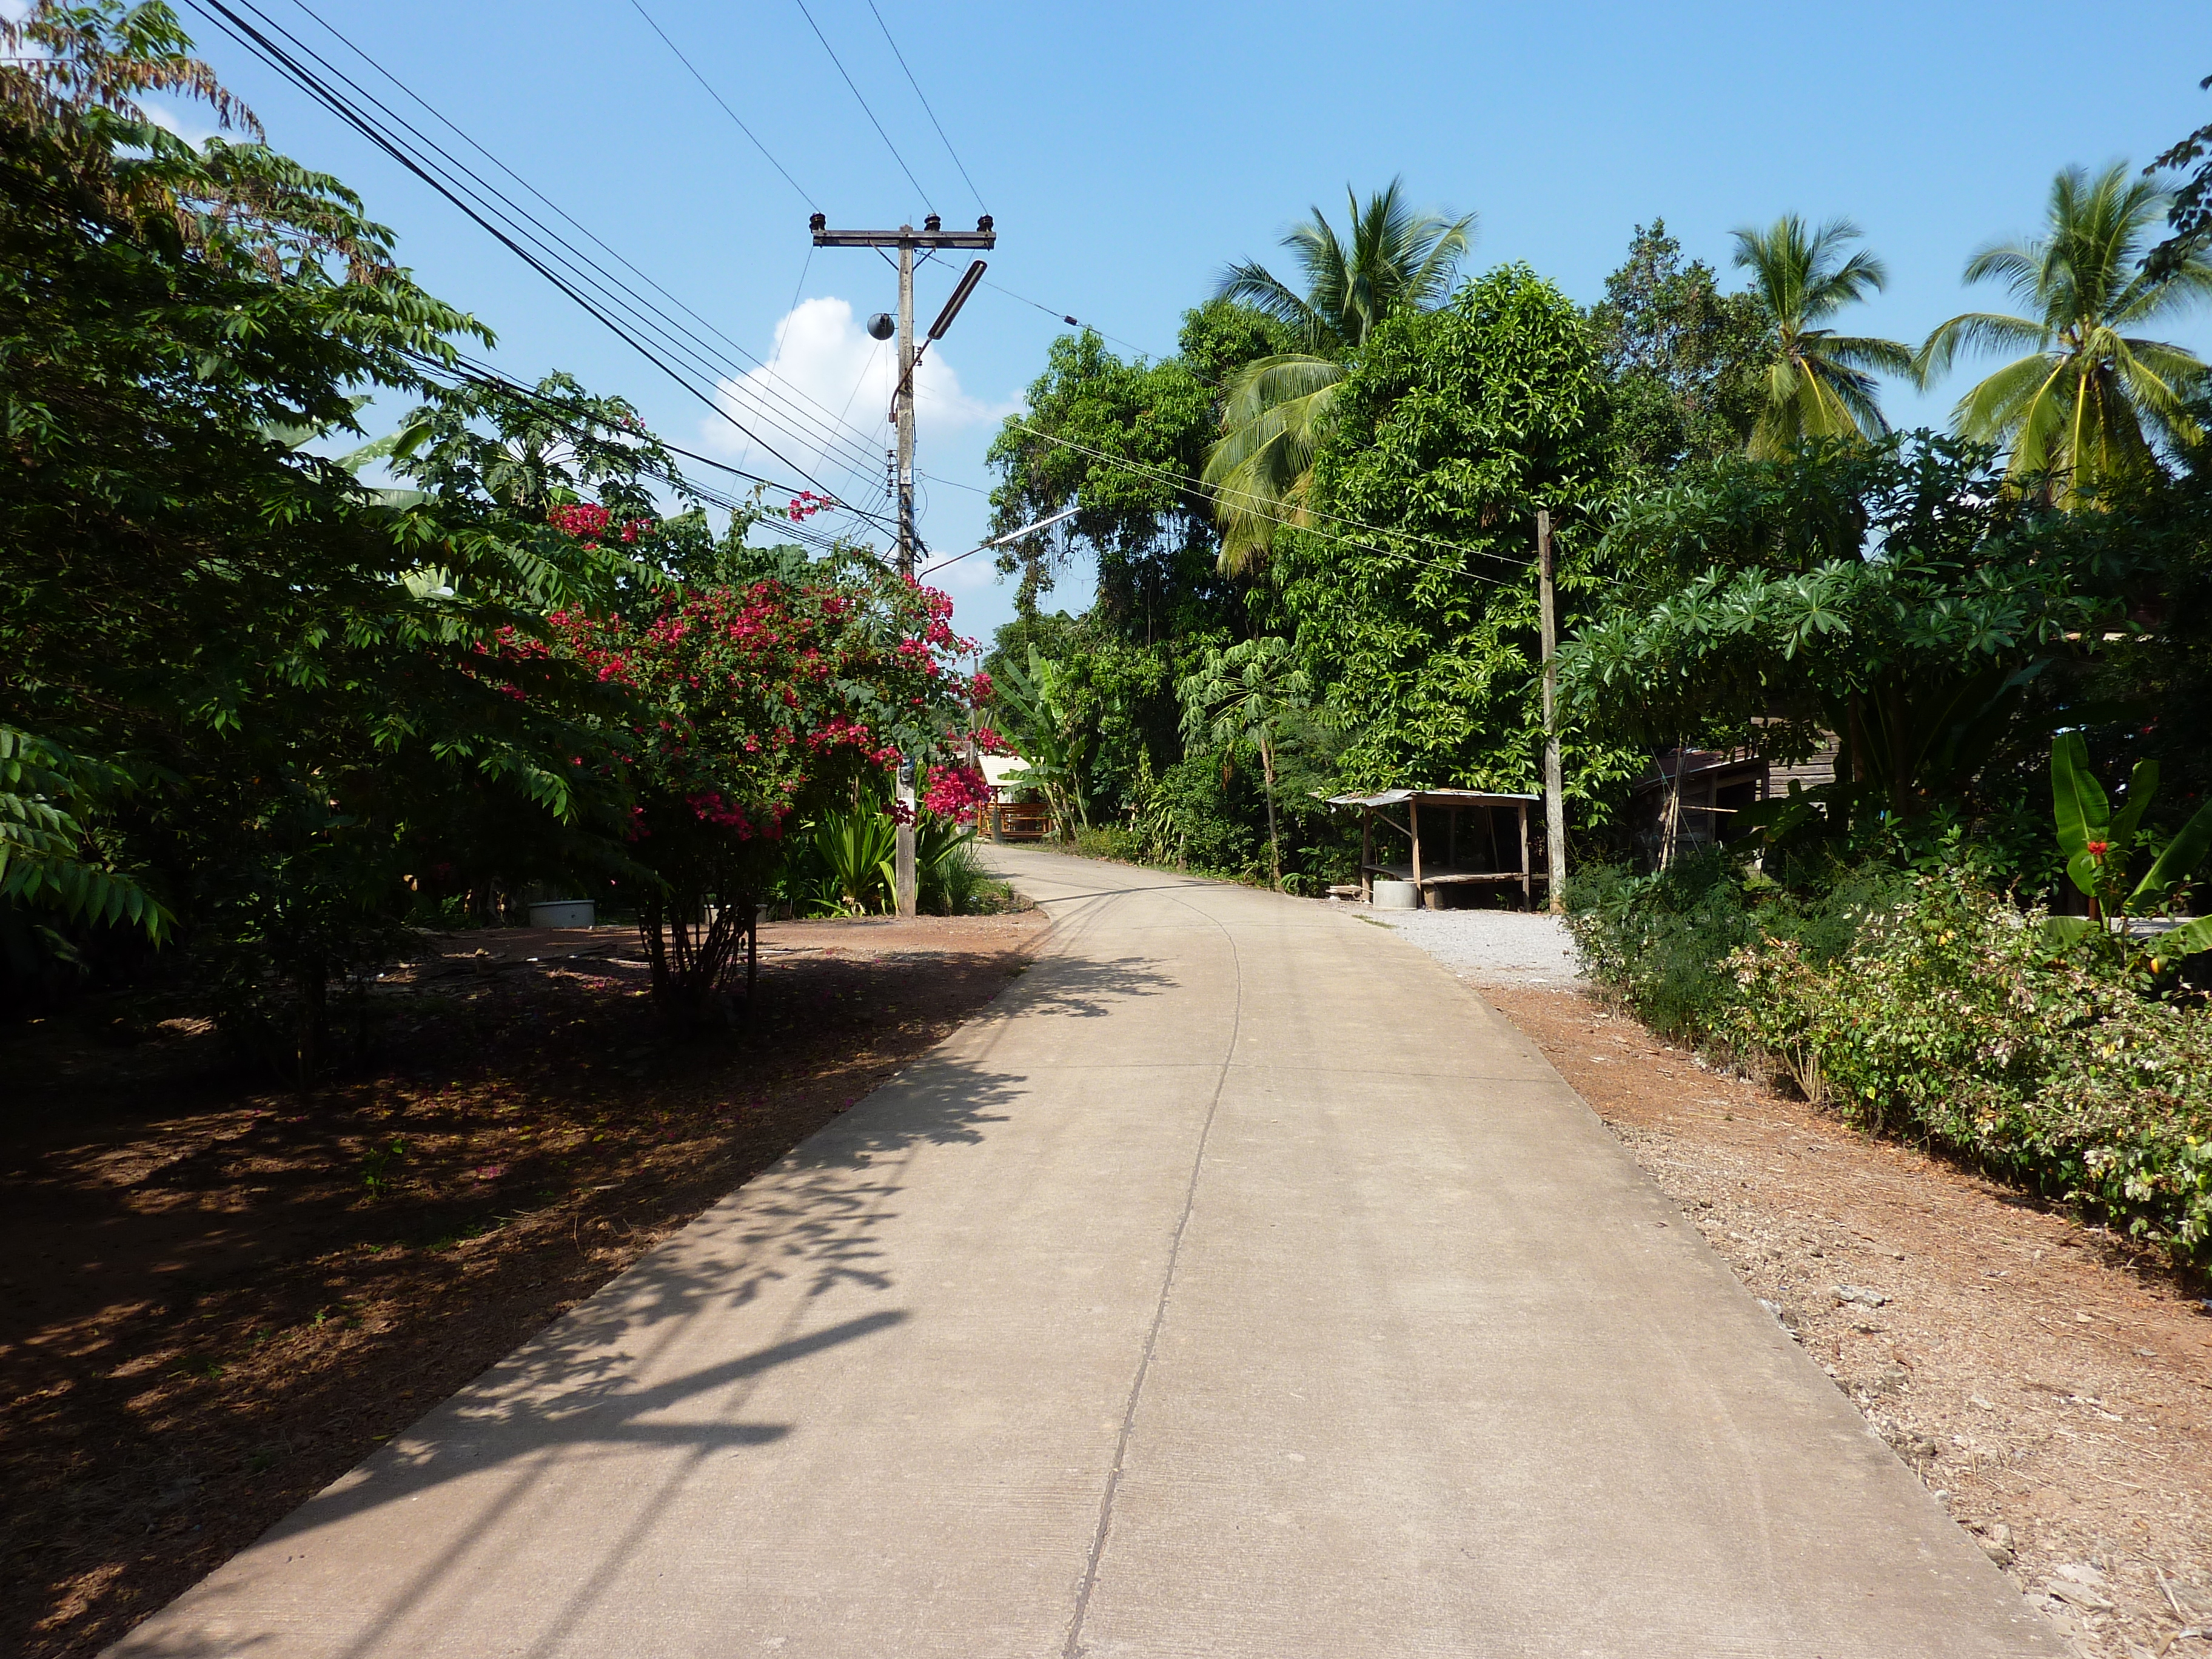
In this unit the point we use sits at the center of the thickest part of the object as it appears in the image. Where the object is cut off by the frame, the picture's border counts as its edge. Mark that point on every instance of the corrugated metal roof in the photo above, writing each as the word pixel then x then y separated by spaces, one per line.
pixel 1442 797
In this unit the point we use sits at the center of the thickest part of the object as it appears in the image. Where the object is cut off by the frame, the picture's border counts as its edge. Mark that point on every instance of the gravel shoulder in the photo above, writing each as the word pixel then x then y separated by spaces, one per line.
pixel 1505 947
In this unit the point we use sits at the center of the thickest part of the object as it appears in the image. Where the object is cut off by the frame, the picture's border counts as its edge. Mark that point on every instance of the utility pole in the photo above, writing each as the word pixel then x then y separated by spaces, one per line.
pixel 906 239
pixel 1555 810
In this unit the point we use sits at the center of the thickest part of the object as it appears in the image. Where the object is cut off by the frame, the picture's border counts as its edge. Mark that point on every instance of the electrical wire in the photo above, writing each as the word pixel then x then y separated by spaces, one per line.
pixel 582 274
pixel 727 110
pixel 823 437
pixel 464 366
pixel 1184 480
pixel 926 109
pixel 1050 312
pixel 865 110
pixel 932 569
pixel 1449 566
pixel 939 477
pixel 867 369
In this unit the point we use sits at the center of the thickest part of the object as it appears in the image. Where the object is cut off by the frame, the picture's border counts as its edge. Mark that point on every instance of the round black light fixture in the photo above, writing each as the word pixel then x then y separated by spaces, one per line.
pixel 880 325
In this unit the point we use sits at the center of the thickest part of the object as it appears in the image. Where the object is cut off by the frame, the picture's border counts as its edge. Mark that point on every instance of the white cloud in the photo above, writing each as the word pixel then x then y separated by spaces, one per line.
pixel 823 397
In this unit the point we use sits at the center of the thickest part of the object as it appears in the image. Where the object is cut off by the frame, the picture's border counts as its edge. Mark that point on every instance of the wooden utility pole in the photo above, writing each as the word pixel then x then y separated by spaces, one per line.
pixel 906 239
pixel 1555 808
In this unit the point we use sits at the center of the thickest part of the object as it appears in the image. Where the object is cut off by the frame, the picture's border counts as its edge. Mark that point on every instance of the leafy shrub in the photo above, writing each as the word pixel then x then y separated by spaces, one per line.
pixel 1948 1017
pixel 1926 1005
pixel 1207 823
pixel 1661 943
pixel 1108 842
pixel 950 878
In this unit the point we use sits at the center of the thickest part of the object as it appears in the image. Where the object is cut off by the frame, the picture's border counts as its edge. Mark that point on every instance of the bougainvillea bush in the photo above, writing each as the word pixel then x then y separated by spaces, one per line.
pixel 758 704
pixel 1949 1019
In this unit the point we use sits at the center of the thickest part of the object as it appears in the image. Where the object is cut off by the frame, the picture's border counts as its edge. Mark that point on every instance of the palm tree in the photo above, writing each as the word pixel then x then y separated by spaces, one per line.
pixel 1274 409
pixel 2080 409
pixel 1249 694
pixel 1817 383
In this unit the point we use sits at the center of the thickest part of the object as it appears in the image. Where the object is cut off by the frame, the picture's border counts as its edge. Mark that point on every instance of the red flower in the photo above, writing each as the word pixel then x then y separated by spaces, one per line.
pixel 2098 849
pixel 955 791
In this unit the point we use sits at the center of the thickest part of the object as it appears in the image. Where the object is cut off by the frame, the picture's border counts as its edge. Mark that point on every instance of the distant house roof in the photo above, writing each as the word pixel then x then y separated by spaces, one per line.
pixel 1441 796
pixel 1696 763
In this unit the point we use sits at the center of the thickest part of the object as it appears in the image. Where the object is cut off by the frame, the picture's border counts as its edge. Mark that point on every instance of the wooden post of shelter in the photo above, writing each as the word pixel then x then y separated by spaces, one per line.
pixel 1528 887
pixel 1414 817
pixel 1366 854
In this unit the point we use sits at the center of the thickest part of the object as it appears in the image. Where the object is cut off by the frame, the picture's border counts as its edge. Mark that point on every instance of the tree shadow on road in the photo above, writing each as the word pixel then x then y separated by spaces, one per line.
pixel 627 1393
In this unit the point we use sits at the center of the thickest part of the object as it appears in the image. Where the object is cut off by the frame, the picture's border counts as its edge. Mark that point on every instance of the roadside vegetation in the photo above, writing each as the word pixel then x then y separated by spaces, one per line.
pixel 1313 532
pixel 289 702
pixel 262 718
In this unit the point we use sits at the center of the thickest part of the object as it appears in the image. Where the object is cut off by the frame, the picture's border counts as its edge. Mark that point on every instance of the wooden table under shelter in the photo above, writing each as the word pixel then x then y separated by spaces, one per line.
pixel 1482 846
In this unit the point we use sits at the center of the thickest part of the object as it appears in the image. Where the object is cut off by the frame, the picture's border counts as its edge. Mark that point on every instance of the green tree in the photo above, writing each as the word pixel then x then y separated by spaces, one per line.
pixel 1122 443
pixel 1889 594
pixel 1275 411
pixel 1412 591
pixel 2081 410
pixel 1683 356
pixel 1247 696
pixel 1817 382
pixel 2189 214
pixel 303 673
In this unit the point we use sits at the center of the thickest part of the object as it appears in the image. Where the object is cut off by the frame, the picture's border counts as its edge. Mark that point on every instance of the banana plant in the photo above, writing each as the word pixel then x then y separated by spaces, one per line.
pixel 1041 706
pixel 2099 844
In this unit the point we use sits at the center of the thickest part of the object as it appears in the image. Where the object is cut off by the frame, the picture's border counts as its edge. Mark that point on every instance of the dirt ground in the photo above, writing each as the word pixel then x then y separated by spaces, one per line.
pixel 2050 1384
pixel 216 1297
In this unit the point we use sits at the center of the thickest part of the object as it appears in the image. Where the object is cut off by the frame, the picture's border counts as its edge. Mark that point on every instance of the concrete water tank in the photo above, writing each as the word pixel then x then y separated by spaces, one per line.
pixel 1397 896
pixel 563 912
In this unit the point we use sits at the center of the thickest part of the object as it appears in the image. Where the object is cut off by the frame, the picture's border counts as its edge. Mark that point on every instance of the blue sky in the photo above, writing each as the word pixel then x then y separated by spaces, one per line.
pixel 1127 151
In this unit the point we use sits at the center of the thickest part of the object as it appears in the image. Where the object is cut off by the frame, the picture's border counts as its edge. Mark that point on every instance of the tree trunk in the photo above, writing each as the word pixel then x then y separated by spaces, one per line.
pixel 1900 764
pixel 1267 777
pixel 695 965
pixel 315 995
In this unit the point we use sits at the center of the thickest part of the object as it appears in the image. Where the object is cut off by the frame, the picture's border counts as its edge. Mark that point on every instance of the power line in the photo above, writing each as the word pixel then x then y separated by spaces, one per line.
pixel 1257 502
pixel 926 109
pixel 690 489
pixel 1050 311
pixel 472 370
pixel 705 356
pixel 719 99
pixel 618 294
pixel 865 110
pixel 1449 567
pixel 452 185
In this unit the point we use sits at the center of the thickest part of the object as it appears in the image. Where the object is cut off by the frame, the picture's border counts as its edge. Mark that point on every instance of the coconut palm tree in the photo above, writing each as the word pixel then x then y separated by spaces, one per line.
pixel 1274 409
pixel 2081 409
pixel 1817 381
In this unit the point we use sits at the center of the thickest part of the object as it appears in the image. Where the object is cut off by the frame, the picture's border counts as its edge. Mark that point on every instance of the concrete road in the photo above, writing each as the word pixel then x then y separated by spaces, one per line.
pixel 1238 1285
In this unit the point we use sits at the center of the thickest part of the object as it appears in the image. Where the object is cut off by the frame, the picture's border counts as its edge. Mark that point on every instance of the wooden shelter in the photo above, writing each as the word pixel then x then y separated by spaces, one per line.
pixel 1485 854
